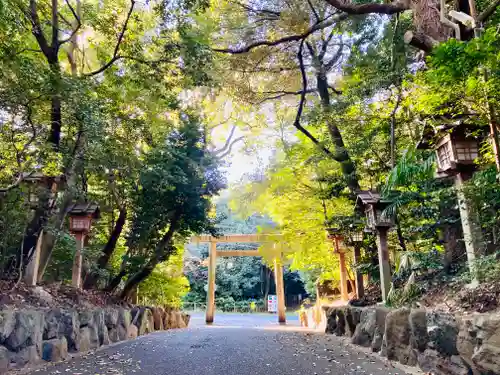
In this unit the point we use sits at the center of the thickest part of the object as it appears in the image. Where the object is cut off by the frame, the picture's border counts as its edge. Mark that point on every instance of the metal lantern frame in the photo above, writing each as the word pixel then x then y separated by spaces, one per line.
pixel 456 149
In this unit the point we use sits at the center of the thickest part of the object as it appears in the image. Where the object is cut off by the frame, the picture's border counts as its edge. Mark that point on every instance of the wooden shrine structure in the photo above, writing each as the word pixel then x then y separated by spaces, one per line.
pixel 214 253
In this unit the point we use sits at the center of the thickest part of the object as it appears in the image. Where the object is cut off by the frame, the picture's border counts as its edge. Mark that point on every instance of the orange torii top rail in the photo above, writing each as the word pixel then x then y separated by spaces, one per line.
pixel 248 238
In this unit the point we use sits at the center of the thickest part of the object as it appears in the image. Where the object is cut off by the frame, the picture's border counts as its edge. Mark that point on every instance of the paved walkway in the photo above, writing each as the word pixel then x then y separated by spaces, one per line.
pixel 234 345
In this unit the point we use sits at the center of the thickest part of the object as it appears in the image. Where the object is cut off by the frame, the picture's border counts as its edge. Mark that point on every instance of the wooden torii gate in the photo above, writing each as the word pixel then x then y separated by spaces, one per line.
pixel 214 253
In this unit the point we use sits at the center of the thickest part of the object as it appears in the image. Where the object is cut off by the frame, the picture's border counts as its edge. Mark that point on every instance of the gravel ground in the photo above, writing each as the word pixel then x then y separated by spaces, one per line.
pixel 232 346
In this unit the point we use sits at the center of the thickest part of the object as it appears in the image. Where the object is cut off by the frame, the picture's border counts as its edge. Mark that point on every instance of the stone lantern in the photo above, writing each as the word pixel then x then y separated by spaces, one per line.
pixel 334 235
pixel 80 222
pixel 456 152
pixel 379 221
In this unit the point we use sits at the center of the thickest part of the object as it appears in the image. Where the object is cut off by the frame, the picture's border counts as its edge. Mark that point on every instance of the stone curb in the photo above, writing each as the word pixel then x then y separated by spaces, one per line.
pixel 31 337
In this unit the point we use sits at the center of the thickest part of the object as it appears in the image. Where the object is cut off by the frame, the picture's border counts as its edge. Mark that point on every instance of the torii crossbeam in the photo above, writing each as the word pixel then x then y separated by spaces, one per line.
pixel 214 253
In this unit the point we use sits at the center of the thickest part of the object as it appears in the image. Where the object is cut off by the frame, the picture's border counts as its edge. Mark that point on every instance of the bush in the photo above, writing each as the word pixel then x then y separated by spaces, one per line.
pixel 487 269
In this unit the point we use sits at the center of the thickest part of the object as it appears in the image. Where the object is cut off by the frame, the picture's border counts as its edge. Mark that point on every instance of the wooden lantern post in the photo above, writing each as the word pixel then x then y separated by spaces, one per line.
pixel 456 153
pixel 377 220
pixel 80 222
pixel 357 239
pixel 336 238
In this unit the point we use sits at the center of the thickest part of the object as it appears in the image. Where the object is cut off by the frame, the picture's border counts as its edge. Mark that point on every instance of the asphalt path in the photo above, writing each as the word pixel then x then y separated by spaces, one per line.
pixel 252 344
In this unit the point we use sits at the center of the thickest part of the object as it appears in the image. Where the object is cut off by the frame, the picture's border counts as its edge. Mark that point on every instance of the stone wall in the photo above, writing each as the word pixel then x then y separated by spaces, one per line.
pixel 30 337
pixel 438 343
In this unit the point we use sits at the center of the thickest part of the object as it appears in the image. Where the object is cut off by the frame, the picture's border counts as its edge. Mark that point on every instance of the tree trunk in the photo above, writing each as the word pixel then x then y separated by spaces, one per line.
pixel 341 154
pixel 113 284
pixel 107 252
pixel 138 277
pixel 55 119
pixel 453 248
pixel 401 238
pixel 67 199
pixel 164 249
pixel 269 277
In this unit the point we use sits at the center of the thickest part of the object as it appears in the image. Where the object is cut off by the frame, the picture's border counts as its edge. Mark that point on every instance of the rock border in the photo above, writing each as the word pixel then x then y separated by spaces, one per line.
pixel 437 342
pixel 30 337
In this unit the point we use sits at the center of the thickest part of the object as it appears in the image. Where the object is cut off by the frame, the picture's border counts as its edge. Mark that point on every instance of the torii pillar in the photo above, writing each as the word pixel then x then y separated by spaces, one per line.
pixel 280 290
pixel 212 264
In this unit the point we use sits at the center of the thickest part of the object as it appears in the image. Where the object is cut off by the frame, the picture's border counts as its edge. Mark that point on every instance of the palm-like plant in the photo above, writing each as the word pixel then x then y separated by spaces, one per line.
pixel 409 180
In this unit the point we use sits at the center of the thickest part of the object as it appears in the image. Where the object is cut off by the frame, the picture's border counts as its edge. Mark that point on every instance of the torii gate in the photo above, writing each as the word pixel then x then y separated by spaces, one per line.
pixel 213 254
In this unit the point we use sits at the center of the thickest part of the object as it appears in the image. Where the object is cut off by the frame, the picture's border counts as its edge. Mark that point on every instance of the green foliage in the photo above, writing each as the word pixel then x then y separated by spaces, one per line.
pixel 61 262
pixel 483 196
pixel 136 138
pixel 13 216
pixel 414 261
pixel 404 296
pixel 486 269
pixel 166 285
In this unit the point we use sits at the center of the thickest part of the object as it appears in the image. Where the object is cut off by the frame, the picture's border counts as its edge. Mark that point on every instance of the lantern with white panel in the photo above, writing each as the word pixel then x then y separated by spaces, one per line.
pixel 455 152
pixel 357 236
pixel 457 148
pixel 80 223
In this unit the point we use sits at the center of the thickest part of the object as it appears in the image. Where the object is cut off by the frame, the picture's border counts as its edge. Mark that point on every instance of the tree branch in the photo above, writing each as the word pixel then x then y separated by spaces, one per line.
pixel 316 15
pixel 78 24
pixel 281 94
pixel 488 11
pixel 228 141
pixel 55 26
pixel 286 39
pixel 380 8
pixel 257 11
pixel 125 57
pixel 230 148
pixel 325 44
pixel 115 56
pixel 37 29
pixel 300 109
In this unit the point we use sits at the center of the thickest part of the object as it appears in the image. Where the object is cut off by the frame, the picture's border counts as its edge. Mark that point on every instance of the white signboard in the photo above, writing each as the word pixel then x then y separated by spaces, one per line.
pixel 272 303
pixel 205 288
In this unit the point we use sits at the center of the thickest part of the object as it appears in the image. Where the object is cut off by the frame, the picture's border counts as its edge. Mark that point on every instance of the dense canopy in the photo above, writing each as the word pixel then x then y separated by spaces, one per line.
pixel 288 108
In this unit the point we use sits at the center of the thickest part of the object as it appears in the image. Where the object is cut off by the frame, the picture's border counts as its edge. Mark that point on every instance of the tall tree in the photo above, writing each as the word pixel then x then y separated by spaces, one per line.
pixel 173 199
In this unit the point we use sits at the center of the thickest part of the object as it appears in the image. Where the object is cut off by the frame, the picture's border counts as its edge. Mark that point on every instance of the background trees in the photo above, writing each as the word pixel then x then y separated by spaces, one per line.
pixel 89 94
pixel 138 105
pixel 347 101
